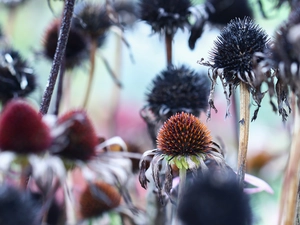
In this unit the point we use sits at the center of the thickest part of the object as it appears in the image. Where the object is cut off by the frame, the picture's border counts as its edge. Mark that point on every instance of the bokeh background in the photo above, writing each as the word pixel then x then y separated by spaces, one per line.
pixel 115 111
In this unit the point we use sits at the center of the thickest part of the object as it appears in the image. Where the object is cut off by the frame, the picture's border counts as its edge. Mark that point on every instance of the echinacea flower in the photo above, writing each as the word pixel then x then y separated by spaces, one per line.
pixel 231 60
pixel 22 129
pixel 17 77
pixel 216 200
pixel 183 141
pixel 175 89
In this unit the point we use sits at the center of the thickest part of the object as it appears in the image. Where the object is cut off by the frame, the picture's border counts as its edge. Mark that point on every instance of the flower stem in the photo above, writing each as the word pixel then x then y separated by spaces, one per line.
pixel 182 181
pixel 60 88
pixel 168 40
pixel 288 202
pixel 244 132
pixel 92 71
pixel 59 54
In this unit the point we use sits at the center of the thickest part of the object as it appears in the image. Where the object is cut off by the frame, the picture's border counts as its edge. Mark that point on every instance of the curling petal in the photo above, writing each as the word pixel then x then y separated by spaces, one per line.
pixel 260 185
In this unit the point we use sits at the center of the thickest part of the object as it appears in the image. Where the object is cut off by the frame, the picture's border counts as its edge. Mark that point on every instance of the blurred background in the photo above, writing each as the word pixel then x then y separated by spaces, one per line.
pixel 115 111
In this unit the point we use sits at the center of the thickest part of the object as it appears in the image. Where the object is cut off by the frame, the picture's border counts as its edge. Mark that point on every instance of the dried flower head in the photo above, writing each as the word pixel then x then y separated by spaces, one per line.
pixel 76 49
pixel 18 207
pixel 222 11
pixel 232 59
pixel 17 77
pixel 184 141
pixel 98 198
pixel 75 138
pixel 22 129
pixel 93 20
pixel 165 16
pixel 219 201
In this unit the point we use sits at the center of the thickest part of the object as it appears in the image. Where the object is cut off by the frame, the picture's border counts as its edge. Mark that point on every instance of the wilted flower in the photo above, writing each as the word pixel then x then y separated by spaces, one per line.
pixel 232 60
pixel 76 49
pixel 217 200
pixel 174 90
pixel 17 77
pixel 183 141
pixel 22 129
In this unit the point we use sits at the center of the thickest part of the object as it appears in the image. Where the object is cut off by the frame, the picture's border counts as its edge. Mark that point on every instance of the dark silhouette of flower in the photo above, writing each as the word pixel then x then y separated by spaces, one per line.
pixel 22 129
pixel 18 207
pixel 232 59
pixel 76 139
pixel 16 76
pixel 217 200
pixel 76 49
pixel 97 198
pixel 183 141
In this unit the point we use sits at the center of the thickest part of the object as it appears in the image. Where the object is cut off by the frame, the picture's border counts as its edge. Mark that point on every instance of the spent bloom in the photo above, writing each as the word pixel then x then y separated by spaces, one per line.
pixel 183 141
pixel 231 60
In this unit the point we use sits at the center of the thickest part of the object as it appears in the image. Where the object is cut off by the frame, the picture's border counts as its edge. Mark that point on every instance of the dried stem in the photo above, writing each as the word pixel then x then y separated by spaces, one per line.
pixel 92 71
pixel 168 40
pixel 60 88
pixel 288 202
pixel 244 132
pixel 59 54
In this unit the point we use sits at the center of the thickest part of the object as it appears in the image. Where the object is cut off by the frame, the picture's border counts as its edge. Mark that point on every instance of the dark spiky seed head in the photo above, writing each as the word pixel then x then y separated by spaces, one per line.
pixel 22 129
pixel 97 199
pixel 80 136
pixel 178 89
pixel 16 76
pixel 222 12
pixel 235 46
pixel 93 20
pixel 183 135
pixel 18 207
pixel 165 16
pixel 76 49
pixel 218 201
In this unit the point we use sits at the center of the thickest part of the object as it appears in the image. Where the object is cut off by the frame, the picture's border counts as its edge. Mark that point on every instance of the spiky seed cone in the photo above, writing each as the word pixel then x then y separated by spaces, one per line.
pixel 102 198
pixel 165 16
pixel 93 20
pixel 76 49
pixel 183 135
pixel 222 12
pixel 219 201
pixel 81 139
pixel 234 49
pixel 17 77
pixel 22 129
pixel 178 89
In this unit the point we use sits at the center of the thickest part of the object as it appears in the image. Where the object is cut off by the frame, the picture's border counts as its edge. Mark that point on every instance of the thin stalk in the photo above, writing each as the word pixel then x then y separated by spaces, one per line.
pixel 92 71
pixel 59 54
pixel 288 203
pixel 182 182
pixel 168 40
pixel 60 88
pixel 244 132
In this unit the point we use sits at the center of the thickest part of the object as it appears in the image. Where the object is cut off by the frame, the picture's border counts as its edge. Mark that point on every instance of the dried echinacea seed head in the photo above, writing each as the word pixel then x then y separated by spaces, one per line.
pixel 165 16
pixel 17 77
pixel 97 198
pixel 76 49
pixel 22 129
pixel 77 139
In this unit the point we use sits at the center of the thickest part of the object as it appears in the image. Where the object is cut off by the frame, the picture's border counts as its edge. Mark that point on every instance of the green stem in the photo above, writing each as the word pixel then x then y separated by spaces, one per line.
pixel 182 181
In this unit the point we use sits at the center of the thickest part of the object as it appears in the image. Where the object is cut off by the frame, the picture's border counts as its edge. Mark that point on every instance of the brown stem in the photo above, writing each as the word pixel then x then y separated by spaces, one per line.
pixel 244 132
pixel 288 202
pixel 168 40
pixel 92 71
pixel 59 88
pixel 59 54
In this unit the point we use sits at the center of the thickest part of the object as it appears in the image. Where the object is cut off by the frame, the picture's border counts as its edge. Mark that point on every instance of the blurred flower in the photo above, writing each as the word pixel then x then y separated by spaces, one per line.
pixel 174 90
pixel 18 207
pixel 76 49
pixel 16 76
pixel 183 141
pixel 232 60
pixel 22 129
pixel 165 16
pixel 219 200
